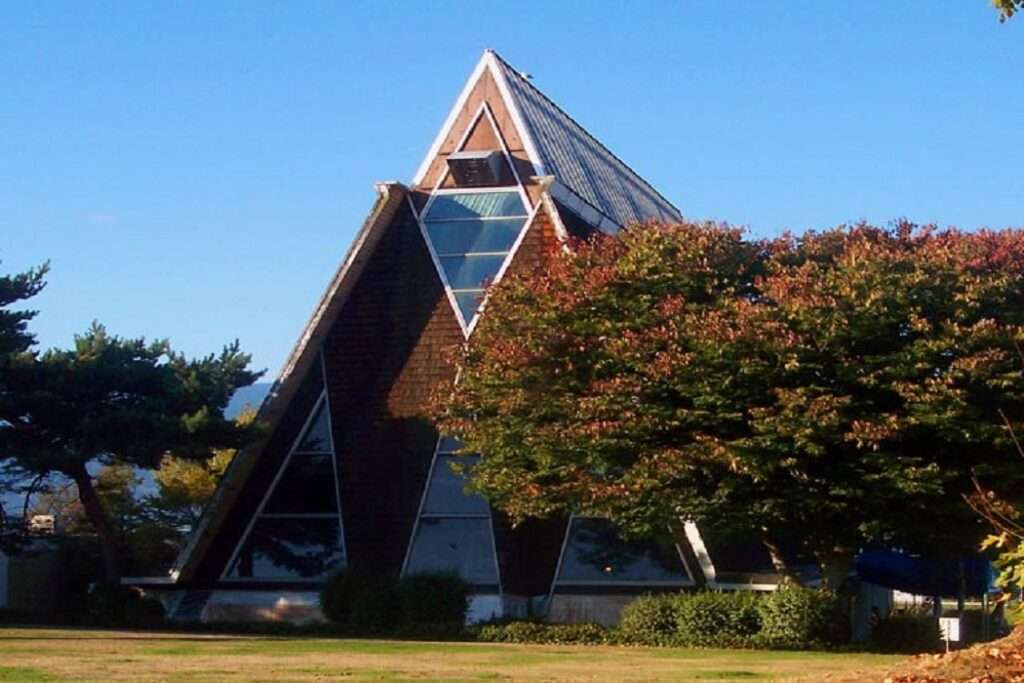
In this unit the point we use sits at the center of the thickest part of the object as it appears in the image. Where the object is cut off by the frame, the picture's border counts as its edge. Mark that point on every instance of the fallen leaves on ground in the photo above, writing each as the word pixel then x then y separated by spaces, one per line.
pixel 1000 661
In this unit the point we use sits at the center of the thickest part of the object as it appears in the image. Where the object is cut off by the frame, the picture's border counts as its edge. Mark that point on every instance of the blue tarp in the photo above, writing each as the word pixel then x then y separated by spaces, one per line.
pixel 922 576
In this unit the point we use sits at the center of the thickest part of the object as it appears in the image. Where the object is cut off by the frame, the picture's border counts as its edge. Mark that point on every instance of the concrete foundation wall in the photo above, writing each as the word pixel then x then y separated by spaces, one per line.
pixel 301 607
pixel 577 609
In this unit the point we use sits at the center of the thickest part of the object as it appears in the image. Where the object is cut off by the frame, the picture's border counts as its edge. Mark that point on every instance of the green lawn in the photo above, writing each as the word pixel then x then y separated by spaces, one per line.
pixel 81 655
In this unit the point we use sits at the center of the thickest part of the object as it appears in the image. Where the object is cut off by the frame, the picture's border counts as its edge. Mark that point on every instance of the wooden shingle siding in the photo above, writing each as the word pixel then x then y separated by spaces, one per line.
pixel 384 357
pixel 485 90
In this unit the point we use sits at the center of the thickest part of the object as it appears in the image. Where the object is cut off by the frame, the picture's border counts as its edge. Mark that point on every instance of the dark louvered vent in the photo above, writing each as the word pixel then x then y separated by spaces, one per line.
pixel 476 169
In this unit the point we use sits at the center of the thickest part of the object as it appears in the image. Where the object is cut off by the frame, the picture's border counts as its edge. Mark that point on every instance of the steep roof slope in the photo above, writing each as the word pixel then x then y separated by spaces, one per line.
pixel 559 146
pixel 576 158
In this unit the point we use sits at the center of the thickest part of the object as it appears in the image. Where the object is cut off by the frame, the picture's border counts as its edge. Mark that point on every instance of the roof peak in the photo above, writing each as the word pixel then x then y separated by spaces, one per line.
pixel 558 145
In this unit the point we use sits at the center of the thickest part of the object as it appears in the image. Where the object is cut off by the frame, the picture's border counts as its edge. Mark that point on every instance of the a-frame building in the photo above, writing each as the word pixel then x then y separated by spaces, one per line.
pixel 351 473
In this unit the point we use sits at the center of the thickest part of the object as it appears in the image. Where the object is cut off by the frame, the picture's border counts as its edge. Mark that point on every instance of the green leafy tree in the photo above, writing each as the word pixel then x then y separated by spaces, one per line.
pixel 117 401
pixel 842 386
pixel 185 486
pixel 145 543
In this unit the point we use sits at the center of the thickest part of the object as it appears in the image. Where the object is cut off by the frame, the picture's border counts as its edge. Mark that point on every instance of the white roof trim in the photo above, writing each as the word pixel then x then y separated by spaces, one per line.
pixel 583 208
pixel 460 102
pixel 488 61
pixel 513 109
pixel 708 567
pixel 701 551
pixel 389 194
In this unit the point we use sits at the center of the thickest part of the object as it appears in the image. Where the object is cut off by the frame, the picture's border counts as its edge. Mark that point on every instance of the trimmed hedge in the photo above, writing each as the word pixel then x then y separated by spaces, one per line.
pixel 650 620
pixel 339 593
pixel 376 609
pixel 110 604
pixel 714 619
pixel 537 633
pixel 797 618
pixel 417 606
pixel 907 633
pixel 433 599
pixel 706 619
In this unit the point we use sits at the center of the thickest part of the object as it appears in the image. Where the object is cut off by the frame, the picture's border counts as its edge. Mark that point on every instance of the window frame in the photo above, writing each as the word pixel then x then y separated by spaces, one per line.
pixel 688 582
pixel 322 401
pixel 483 111
pixel 421 514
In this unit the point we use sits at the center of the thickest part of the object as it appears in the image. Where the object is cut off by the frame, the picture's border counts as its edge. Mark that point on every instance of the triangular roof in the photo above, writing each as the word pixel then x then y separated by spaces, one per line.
pixel 584 169
pixel 390 197
pixel 570 166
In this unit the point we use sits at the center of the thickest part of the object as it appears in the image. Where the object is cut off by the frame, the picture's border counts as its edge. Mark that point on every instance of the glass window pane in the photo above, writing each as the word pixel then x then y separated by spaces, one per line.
pixel 475 205
pixel 318 437
pixel 306 486
pixel 464 546
pixel 470 272
pixel 462 237
pixel 446 492
pixel 596 554
pixel 290 549
pixel 468 303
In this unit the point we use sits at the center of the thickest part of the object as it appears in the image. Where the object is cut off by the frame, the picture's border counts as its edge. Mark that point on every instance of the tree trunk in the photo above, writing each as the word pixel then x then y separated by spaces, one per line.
pixel 782 567
pixel 835 565
pixel 93 507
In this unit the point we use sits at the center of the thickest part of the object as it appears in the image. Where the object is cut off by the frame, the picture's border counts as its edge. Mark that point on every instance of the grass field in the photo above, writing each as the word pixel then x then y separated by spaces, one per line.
pixel 79 655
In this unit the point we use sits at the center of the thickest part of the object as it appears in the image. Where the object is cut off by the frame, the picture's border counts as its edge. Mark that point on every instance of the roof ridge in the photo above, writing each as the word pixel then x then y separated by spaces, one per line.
pixel 519 76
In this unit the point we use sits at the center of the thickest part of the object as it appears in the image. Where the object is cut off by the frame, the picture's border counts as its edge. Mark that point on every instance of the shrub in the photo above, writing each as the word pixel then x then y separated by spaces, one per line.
pixel 16 616
pixel 537 633
pixel 376 609
pixel 906 633
pixel 794 617
pixel 339 593
pixel 449 630
pixel 513 632
pixel 435 598
pixel 714 619
pixel 649 620
pixel 111 604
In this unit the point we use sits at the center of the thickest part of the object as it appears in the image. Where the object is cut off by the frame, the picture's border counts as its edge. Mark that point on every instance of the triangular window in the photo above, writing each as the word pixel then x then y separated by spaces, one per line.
pixel 472 235
pixel 454 529
pixel 297 533
pixel 595 555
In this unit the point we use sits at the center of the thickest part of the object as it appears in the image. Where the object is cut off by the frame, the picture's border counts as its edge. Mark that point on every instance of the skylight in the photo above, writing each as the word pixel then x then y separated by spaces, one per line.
pixel 472 234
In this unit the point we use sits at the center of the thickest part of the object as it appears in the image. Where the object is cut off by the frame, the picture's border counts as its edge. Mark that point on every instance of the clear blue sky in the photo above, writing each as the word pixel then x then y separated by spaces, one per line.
pixel 197 170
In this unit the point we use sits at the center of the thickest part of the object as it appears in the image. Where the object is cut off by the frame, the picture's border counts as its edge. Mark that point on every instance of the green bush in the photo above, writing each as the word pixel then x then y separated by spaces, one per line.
pixel 512 632
pixel 715 619
pixel 450 630
pixel 906 633
pixel 435 598
pixel 649 620
pixel 376 609
pixel 537 633
pixel 416 606
pixel 16 616
pixel 794 617
pixel 111 604
pixel 339 593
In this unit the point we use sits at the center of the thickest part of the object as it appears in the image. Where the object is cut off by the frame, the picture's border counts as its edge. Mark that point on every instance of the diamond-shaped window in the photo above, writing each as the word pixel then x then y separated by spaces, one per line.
pixel 472 234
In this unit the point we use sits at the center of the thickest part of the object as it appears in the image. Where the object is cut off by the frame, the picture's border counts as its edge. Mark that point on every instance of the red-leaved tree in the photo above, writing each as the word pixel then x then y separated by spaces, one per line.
pixel 842 386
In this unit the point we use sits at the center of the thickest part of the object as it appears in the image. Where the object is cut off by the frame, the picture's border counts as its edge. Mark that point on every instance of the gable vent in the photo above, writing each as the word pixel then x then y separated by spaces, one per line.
pixel 476 169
